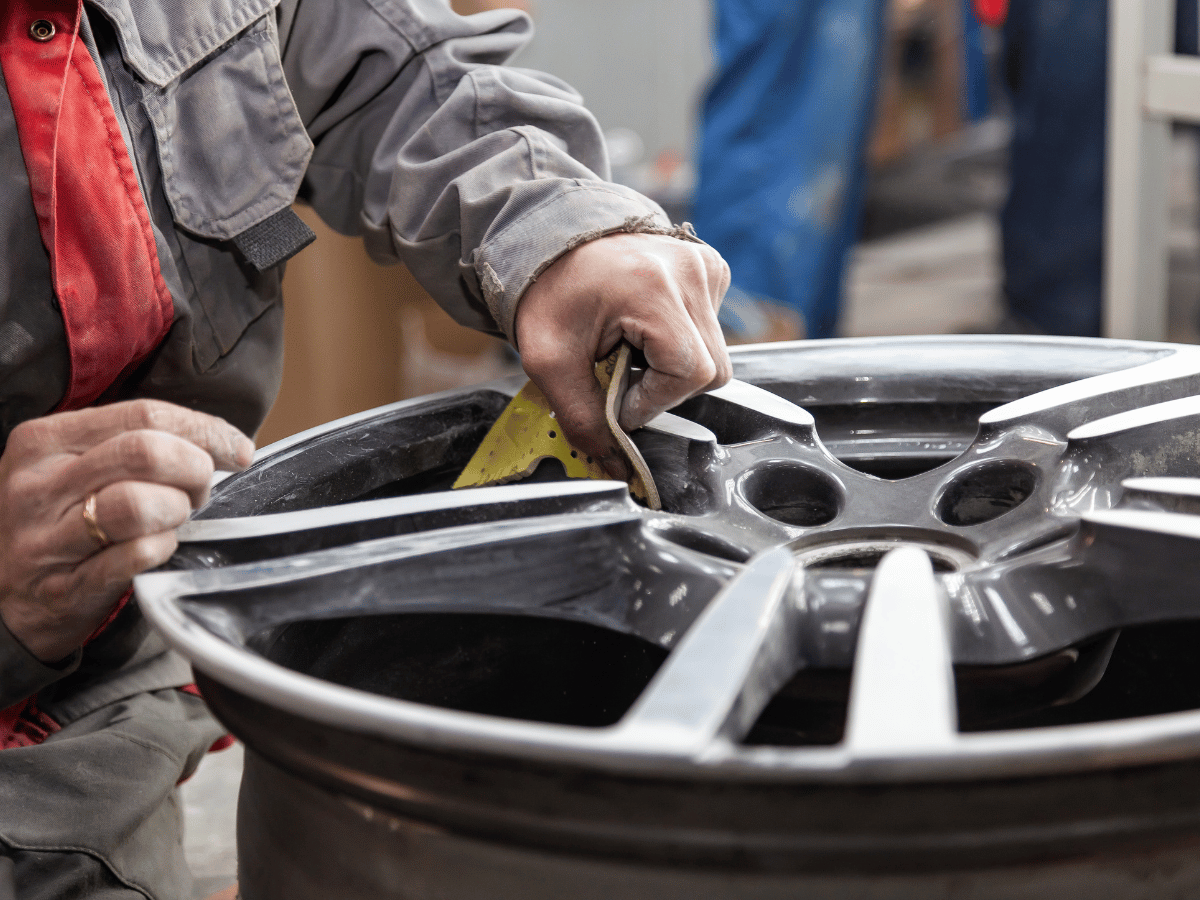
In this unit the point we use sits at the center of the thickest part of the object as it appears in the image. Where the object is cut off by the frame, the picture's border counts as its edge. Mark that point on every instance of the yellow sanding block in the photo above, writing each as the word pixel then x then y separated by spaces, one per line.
pixel 527 433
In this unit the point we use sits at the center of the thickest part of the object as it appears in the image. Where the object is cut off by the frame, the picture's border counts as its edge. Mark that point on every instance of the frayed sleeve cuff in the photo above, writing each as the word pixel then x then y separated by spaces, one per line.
pixel 512 260
pixel 22 674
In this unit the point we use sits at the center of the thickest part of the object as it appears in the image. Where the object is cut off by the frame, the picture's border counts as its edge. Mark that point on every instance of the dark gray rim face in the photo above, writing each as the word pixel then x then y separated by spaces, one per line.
pixel 932 518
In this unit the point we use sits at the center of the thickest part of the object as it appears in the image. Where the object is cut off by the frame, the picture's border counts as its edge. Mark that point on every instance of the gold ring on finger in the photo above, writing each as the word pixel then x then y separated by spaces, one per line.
pixel 89 518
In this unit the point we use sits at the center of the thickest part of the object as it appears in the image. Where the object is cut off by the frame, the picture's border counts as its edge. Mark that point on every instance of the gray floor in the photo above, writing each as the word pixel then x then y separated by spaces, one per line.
pixel 209 806
pixel 938 278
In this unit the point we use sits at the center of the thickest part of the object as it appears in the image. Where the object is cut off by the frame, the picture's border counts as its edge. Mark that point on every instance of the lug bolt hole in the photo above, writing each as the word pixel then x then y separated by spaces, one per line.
pixel 985 492
pixel 793 494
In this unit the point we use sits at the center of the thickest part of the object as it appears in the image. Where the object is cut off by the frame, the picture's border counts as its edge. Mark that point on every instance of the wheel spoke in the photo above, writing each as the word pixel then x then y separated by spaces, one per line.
pixel 902 692
pixel 1158 440
pixel 726 668
pixel 755 398
pixel 1068 406
pixel 600 565
pixel 739 412
pixel 1171 494
pixel 1148 562
pixel 526 564
pixel 211 542
pixel 679 427
pixel 1123 567
pixel 1142 424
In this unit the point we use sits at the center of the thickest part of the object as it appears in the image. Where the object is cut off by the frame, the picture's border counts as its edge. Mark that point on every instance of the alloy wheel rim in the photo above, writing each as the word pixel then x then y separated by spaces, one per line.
pixel 1067 515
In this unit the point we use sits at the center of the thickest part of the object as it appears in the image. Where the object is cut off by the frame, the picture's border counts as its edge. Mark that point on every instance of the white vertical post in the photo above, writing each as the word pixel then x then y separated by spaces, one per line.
pixel 1135 259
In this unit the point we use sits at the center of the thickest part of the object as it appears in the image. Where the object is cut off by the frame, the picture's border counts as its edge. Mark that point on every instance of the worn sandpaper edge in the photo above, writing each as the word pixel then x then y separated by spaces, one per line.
pixel 612 410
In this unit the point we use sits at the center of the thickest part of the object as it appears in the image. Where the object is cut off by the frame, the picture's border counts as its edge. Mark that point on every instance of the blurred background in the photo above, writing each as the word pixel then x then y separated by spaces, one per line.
pixel 868 167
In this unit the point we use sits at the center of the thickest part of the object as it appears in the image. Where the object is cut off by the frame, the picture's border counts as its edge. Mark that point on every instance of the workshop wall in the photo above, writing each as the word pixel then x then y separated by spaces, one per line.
pixel 358 335
pixel 642 66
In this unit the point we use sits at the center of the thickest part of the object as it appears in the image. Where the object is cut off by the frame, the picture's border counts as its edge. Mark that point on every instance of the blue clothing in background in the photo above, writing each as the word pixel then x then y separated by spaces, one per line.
pixel 785 127
pixel 976 102
pixel 1053 222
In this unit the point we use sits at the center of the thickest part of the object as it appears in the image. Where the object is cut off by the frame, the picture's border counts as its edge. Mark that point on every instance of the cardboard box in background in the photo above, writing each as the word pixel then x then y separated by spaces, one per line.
pixel 358 335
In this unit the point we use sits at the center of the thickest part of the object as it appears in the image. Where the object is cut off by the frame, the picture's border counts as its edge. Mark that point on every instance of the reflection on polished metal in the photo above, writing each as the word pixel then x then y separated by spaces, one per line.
pixel 916 617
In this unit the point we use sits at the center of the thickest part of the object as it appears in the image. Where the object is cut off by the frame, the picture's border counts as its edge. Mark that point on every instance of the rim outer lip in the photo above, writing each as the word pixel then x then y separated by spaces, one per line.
pixel 995 755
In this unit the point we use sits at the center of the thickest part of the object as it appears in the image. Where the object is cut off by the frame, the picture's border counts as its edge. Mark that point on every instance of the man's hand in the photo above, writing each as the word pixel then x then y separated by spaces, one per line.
pixel 659 293
pixel 148 463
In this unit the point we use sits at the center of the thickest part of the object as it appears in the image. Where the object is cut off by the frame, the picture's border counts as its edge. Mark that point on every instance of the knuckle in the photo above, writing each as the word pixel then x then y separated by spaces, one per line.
pixel 724 370
pixel 137 509
pixel 124 510
pixel 705 371
pixel 712 264
pixel 28 436
pixel 22 487
pixel 162 509
pixel 152 550
pixel 212 432
pixel 141 450
pixel 143 555
pixel 205 468
pixel 154 415
pixel 661 272
pixel 712 259
pixel 20 434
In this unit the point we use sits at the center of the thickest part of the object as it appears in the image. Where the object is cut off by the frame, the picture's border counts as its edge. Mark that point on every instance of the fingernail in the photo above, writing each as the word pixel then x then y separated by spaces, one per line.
pixel 629 423
pixel 242 450
pixel 633 413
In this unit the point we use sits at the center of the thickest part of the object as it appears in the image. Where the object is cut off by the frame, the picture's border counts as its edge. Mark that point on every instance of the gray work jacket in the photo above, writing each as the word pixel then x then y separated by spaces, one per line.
pixel 390 117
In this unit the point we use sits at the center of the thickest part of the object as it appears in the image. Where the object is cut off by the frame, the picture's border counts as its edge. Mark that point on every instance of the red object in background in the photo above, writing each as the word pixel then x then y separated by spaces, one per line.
pixel 991 12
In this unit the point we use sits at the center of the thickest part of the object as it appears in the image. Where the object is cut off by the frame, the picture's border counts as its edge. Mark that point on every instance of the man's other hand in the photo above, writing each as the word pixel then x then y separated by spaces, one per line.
pixel 148 463
pixel 659 293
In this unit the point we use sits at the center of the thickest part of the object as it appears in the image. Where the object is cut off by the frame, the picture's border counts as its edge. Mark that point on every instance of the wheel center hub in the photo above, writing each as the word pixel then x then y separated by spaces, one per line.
pixel 864 548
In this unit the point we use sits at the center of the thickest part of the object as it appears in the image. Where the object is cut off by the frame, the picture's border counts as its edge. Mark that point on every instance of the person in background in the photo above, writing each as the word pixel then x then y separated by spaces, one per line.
pixel 783 139
pixel 1052 224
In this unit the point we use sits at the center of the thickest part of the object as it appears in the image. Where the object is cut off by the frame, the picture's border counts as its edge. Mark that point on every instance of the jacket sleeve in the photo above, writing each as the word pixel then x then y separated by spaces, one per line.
pixel 475 176
pixel 22 674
